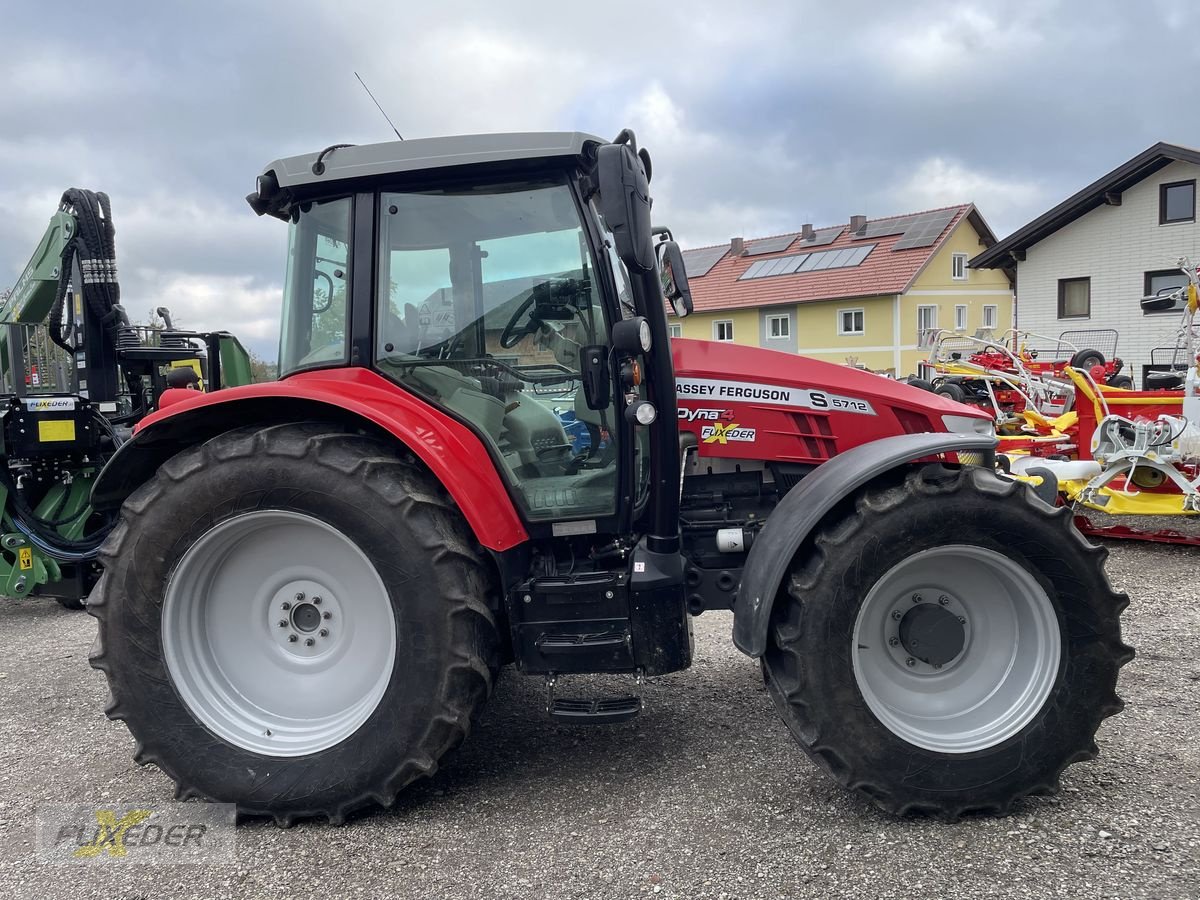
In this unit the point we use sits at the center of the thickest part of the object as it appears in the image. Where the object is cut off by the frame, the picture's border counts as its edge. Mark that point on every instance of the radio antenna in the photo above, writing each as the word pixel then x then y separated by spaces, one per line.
pixel 377 106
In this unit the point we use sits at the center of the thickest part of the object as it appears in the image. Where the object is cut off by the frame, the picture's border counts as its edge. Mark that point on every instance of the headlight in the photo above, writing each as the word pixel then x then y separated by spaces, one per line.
pixel 644 335
pixel 969 425
pixel 632 335
pixel 641 412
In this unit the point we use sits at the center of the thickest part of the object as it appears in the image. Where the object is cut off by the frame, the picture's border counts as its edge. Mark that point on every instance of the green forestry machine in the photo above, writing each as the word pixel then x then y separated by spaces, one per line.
pixel 75 376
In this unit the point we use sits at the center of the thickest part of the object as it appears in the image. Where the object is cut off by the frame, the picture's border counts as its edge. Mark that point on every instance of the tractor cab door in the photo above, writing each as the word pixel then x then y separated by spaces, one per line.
pixel 488 301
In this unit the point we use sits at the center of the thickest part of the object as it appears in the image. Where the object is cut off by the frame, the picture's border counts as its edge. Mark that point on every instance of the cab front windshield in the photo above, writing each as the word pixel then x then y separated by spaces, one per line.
pixel 487 297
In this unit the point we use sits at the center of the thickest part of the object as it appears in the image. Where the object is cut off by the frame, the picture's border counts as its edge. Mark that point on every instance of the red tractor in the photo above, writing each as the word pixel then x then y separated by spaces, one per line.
pixel 315 582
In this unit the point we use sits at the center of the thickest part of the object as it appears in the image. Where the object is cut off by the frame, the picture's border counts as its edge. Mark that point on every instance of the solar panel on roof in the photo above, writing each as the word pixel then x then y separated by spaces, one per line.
pixel 700 262
pixel 824 236
pixel 793 263
pixel 885 227
pixel 925 231
pixel 860 253
pixel 770 245
pixel 841 258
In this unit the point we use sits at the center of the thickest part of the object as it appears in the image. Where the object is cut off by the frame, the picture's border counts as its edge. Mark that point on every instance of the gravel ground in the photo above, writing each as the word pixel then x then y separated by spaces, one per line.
pixel 705 795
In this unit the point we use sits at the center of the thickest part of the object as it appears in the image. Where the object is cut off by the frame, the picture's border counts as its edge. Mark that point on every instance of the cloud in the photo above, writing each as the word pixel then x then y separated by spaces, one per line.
pixel 233 303
pixel 943 182
pixel 759 117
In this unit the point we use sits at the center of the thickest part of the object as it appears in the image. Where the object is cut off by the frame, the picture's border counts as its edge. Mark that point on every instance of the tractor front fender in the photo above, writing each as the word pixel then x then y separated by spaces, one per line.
pixel 805 505
pixel 354 397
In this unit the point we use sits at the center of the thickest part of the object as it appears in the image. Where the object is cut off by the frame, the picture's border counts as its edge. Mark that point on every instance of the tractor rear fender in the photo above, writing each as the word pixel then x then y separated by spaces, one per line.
pixel 805 505
pixel 354 397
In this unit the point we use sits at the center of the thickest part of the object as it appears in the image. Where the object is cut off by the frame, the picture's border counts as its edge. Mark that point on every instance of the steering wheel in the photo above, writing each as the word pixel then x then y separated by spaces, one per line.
pixel 510 337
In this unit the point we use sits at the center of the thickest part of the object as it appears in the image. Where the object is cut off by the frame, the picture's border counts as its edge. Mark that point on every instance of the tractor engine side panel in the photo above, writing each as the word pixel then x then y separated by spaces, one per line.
pixel 784 408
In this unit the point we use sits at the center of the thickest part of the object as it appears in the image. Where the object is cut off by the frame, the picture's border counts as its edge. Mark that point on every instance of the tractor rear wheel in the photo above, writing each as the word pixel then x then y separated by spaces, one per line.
pixel 947 643
pixel 294 619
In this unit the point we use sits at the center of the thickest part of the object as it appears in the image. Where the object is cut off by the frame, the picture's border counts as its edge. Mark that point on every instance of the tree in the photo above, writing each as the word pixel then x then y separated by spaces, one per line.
pixel 261 370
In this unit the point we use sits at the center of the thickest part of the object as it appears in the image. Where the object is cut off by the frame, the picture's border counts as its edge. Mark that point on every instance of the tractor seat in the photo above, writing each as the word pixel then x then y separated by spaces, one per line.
pixel 1163 381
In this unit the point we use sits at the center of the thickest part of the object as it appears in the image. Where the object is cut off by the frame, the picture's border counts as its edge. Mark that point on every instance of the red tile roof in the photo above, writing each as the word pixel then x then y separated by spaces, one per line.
pixel 884 271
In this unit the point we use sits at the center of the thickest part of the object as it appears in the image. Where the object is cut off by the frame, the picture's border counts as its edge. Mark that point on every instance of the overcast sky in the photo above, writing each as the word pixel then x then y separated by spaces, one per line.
pixel 760 116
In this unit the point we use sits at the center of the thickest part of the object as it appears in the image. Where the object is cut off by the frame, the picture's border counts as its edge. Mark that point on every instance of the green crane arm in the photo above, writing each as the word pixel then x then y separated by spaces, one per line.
pixel 33 296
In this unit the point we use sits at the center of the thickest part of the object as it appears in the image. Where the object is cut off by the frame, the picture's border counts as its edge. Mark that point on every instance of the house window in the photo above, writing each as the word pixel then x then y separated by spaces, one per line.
pixel 779 327
pixel 927 317
pixel 675 329
pixel 1177 202
pixel 723 330
pixel 958 267
pixel 990 315
pixel 1164 282
pixel 960 317
pixel 851 321
pixel 1074 298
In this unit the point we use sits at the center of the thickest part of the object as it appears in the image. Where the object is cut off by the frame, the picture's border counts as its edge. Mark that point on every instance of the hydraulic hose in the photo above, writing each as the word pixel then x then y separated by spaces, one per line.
pixel 41 534
pixel 63 550
pixel 93 245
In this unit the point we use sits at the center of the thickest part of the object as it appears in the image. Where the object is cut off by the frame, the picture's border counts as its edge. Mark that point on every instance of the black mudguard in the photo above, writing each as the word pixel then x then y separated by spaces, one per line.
pixel 807 504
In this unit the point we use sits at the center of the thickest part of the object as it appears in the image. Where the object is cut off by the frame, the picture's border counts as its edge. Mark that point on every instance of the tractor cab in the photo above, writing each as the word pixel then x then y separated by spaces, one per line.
pixel 515 290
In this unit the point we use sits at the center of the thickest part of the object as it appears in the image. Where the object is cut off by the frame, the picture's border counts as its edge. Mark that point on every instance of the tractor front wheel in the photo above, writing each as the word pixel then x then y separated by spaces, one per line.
pixel 294 619
pixel 947 643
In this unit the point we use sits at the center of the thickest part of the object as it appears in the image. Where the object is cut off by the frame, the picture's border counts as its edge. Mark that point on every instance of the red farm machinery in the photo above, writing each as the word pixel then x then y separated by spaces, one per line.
pixel 484 449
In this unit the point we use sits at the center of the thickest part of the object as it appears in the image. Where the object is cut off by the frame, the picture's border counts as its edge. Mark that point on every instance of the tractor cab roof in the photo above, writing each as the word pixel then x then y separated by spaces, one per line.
pixel 357 161
pixel 345 162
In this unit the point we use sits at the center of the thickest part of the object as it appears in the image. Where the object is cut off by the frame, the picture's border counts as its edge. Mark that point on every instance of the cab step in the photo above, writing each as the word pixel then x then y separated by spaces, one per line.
pixel 605 710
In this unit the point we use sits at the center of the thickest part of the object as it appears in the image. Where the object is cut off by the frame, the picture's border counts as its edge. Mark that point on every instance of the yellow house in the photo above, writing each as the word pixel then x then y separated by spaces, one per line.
pixel 867 293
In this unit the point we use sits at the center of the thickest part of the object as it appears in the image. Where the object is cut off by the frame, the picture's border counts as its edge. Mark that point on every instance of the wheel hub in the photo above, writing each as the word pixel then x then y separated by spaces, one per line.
pixel 307 617
pixel 929 631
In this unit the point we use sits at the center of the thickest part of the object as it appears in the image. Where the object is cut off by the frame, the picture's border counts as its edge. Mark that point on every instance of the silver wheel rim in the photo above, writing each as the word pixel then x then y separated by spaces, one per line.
pixel 278 633
pixel 993 686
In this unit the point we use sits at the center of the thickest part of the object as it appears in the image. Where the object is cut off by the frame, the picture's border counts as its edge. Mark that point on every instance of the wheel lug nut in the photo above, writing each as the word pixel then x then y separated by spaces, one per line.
pixel 286 606
pixel 962 620
pixel 291 639
pixel 283 623
pixel 916 598
pixel 894 642
pixel 896 615
pixel 324 632
pixel 316 601
pixel 937 665
pixel 299 596
pixel 910 662
pixel 944 600
pixel 309 642
pixel 327 615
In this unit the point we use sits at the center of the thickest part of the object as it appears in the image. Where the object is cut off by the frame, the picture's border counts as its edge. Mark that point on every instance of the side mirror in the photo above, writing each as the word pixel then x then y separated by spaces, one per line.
pixel 673 274
pixel 625 201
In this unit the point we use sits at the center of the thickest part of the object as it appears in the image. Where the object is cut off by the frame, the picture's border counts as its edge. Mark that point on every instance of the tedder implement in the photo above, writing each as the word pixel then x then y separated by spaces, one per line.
pixel 314 581
pixel 76 376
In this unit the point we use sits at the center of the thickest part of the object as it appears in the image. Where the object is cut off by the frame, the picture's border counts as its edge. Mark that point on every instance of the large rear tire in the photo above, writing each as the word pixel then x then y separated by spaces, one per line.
pixel 947 643
pixel 295 620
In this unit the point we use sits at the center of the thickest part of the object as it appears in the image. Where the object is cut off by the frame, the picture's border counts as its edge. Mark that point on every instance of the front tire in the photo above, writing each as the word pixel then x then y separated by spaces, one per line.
pixel 295 620
pixel 947 643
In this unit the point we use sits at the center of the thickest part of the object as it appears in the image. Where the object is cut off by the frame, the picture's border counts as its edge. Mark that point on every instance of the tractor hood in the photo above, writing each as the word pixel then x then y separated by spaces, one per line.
pixel 749 403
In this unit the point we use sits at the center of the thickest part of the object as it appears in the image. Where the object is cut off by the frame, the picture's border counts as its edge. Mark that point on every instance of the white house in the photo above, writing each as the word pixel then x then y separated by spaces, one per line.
pixel 1086 263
